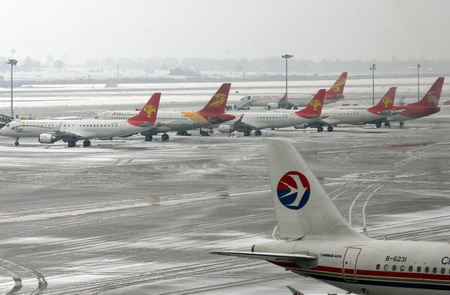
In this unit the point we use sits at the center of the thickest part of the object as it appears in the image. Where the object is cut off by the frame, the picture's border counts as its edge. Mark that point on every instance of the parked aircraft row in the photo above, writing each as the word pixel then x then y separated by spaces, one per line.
pixel 316 241
pixel 149 122
pixel 334 94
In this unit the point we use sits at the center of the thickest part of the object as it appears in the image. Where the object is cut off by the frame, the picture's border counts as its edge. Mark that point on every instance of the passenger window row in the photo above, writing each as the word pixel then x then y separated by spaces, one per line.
pixel 402 268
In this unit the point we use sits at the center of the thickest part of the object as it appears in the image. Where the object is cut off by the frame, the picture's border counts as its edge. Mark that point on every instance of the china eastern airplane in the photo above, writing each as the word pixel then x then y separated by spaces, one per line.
pixel 428 105
pixel 213 113
pixel 335 93
pixel 316 241
pixel 358 115
pixel 70 131
pixel 261 120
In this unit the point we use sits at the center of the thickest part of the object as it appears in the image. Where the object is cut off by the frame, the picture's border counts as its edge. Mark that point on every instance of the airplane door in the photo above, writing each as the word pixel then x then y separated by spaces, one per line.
pixel 122 126
pixel 349 270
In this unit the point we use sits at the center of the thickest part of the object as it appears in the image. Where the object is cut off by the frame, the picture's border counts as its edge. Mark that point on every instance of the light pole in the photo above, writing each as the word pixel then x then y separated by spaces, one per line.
pixel 12 62
pixel 286 57
pixel 373 68
pixel 418 84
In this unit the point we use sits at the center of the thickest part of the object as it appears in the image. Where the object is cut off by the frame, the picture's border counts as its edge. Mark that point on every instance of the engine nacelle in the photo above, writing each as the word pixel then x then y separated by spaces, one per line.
pixel 48 138
pixel 225 129
pixel 273 106
pixel 301 126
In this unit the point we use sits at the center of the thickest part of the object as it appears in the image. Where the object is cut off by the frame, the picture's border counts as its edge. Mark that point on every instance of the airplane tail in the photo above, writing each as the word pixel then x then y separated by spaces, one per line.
pixel 218 102
pixel 431 98
pixel 314 108
pixel 386 102
pixel 302 207
pixel 147 115
pixel 336 92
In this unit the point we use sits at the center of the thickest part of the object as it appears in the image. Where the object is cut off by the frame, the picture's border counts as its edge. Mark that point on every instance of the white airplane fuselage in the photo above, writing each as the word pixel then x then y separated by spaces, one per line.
pixel 166 120
pixel 352 116
pixel 297 100
pixel 263 120
pixel 376 267
pixel 86 129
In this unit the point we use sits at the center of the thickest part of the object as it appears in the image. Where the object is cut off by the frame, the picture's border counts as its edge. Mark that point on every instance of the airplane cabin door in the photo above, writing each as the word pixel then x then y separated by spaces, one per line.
pixel 349 264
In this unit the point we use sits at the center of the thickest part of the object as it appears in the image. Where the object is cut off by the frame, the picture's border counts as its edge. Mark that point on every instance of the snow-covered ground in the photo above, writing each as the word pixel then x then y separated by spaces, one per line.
pixel 135 217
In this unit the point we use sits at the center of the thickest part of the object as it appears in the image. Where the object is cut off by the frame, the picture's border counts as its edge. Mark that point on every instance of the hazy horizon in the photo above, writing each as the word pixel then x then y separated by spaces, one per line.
pixel 75 31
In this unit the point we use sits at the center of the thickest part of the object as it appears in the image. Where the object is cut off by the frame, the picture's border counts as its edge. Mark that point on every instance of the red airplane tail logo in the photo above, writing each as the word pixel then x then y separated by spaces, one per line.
pixel 386 103
pixel 431 98
pixel 336 92
pixel 314 108
pixel 148 113
pixel 218 102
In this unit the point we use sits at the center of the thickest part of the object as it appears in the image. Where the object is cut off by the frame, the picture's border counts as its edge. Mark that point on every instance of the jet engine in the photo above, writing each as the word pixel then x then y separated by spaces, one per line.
pixel 273 106
pixel 48 138
pixel 225 129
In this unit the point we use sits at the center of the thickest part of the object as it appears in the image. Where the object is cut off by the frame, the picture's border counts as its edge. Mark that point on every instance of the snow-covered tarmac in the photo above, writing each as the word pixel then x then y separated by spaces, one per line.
pixel 135 217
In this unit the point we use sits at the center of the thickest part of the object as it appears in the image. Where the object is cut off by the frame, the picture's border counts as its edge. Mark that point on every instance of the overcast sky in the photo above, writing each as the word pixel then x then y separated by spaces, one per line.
pixel 316 29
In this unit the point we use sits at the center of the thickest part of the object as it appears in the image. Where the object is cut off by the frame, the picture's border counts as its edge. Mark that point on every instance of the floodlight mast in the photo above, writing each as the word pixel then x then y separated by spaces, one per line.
pixel 286 57
pixel 12 62
pixel 373 68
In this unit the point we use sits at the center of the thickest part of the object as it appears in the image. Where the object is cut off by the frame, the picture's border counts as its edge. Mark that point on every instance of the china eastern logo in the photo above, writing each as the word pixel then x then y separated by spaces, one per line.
pixel 219 99
pixel 293 190
pixel 315 104
pixel 149 109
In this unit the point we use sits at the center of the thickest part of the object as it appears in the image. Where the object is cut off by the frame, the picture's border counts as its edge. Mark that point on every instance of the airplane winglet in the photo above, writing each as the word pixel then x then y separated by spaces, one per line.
pixel 294 292
pixel 147 115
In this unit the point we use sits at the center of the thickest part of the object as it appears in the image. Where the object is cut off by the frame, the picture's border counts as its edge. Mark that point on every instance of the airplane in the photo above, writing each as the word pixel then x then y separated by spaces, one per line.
pixel 70 131
pixel 261 120
pixel 213 113
pixel 428 105
pixel 357 115
pixel 316 241
pixel 333 94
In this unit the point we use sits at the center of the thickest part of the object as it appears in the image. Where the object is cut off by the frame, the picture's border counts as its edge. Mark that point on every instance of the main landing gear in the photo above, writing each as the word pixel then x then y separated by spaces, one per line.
pixel 378 124
pixel 148 138
pixel 319 129
pixel 247 133
pixel 330 128
pixel 387 124
pixel 16 143
pixel 165 137
pixel 183 133
pixel 258 133
pixel 402 124
pixel 86 143
pixel 71 143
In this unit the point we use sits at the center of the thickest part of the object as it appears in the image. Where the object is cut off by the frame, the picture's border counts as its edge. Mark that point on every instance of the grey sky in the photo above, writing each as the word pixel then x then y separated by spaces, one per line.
pixel 354 29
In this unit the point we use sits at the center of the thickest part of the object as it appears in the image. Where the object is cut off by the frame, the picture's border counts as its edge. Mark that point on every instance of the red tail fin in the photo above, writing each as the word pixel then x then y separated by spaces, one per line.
pixel 147 115
pixel 386 102
pixel 431 98
pixel 218 102
pixel 314 108
pixel 336 92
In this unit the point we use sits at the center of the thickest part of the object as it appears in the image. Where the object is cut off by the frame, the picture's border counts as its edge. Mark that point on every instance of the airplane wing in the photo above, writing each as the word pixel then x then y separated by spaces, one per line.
pixel 242 126
pixel 274 257
pixel 65 136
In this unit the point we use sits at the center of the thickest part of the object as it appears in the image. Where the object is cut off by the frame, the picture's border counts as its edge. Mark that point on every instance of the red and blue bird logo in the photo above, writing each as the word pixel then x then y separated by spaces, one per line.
pixel 293 190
